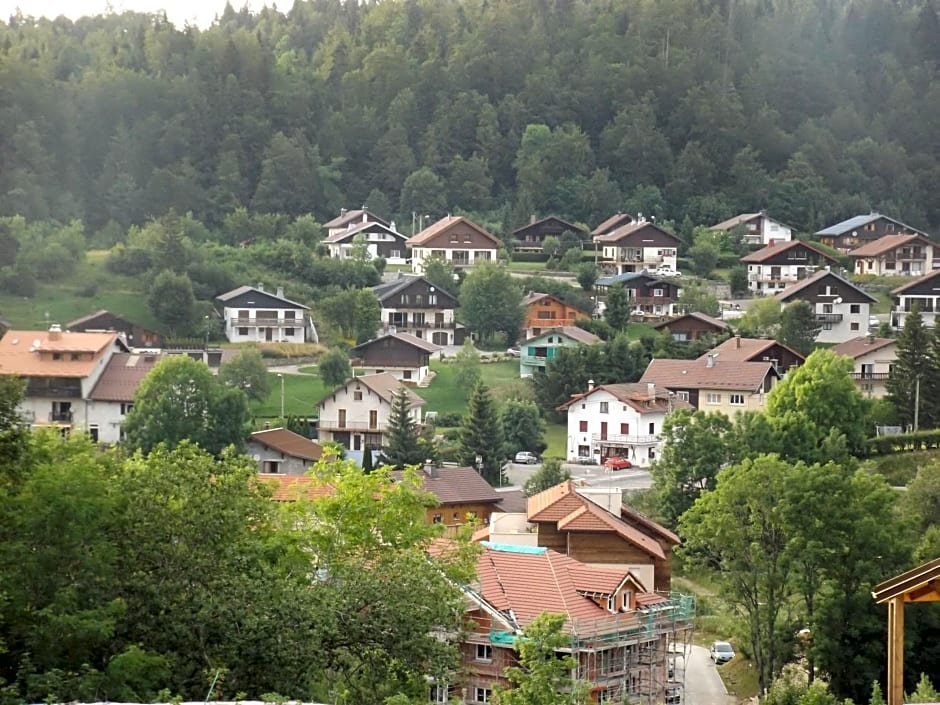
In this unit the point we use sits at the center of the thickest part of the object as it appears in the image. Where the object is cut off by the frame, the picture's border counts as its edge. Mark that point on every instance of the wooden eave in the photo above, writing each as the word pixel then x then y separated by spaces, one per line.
pixel 922 584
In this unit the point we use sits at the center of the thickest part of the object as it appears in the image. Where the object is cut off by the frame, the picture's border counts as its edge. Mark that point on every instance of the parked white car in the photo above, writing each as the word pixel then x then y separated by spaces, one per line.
pixel 524 457
pixel 667 272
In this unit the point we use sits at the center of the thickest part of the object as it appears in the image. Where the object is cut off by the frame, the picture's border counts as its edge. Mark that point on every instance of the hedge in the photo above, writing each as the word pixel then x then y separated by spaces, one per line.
pixel 903 442
pixel 530 257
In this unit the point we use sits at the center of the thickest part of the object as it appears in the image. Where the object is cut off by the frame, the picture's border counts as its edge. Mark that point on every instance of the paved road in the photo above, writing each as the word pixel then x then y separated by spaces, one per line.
pixel 703 685
pixel 594 475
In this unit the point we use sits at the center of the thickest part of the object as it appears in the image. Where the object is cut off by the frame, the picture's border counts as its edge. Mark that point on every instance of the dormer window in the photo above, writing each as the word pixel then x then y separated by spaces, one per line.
pixel 612 603
pixel 56 356
pixel 625 598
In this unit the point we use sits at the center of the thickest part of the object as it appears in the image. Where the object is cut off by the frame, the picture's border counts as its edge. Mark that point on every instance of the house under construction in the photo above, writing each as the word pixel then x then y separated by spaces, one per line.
pixel 630 644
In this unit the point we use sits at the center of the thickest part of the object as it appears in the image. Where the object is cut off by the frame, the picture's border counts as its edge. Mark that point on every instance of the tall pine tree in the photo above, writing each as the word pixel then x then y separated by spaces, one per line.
pixel 481 438
pixel 402 448
pixel 910 368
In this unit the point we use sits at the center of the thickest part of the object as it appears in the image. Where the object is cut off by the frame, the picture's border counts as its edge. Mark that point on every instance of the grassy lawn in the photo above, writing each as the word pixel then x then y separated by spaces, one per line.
pixel 301 393
pixel 556 435
pixel 526 266
pixel 444 395
pixel 635 331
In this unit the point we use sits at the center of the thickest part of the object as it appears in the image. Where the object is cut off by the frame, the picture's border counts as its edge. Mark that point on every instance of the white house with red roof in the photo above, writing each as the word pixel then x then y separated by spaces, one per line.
pixel 873 360
pixel 776 266
pixel 619 420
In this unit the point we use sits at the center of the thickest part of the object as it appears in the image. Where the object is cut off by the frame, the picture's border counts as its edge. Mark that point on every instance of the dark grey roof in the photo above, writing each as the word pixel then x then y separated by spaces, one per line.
pixel 229 295
pixel 859 221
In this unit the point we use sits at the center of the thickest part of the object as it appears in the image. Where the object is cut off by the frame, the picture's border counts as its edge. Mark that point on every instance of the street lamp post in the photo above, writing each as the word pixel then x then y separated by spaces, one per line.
pixel 281 375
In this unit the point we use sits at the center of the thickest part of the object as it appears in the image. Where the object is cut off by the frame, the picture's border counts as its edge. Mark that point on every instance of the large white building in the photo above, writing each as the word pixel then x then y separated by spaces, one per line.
pixel 252 314
pixel 842 309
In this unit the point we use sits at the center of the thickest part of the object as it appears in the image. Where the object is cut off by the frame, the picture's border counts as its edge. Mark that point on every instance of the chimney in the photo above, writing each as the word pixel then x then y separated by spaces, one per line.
pixel 392 227
pixel 651 390
pixel 710 361
pixel 55 332
pixel 280 292
pixel 260 286
pixel 430 469
pixel 342 212
pixel 532 219
pixel 639 218
pixel 871 338
pixel 737 341
pixel 590 385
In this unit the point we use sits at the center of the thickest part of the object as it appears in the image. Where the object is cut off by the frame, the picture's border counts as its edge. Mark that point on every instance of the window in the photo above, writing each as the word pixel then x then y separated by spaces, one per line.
pixel 126 407
pixel 604 407
pixel 855 308
pixel 76 356
pixel 612 603
pixel 419 299
pixel 712 398
pixel 404 298
pixel 289 331
pixel 395 253
pixel 625 600
pixel 484 652
pixel 684 396
pixel 658 292
pixel 357 395
pixel 437 519
pixel 93 432
pixel 584 451
pixel 407 374
pixel 827 325
pixel 438 694
pixel 853 326
pixel 483 695
pixel 582 426
pixel 243 331
pixel 432 299
pixel 736 399
pixel 56 356
pixel 624 429
pixel 603 696
pixel 652 428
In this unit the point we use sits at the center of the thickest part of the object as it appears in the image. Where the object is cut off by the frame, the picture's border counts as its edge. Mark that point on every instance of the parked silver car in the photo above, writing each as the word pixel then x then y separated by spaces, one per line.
pixel 721 652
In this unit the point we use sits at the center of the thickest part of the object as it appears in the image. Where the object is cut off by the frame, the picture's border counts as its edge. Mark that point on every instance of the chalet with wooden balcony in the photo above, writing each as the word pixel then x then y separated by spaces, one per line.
pixel 531 237
pixel 924 293
pixel 356 415
pixel 617 220
pixel 841 308
pixel 252 314
pixel 873 359
pixel 60 369
pixel 546 311
pixel 895 256
pixel 624 420
pixel 404 356
pixel 693 326
pixel 379 240
pixel 757 229
pixel 537 352
pixel 777 266
pixel 413 305
pixel 637 247
pixel 352 218
pixel 103 321
pixel 454 239
pixel 650 296
pixel 856 231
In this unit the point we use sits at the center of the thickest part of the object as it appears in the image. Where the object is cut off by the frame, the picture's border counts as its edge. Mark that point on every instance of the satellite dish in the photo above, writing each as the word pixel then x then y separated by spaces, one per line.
pixel 256 457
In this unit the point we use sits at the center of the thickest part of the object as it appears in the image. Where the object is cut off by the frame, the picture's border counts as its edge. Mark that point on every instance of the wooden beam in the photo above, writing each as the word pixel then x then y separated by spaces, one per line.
pixel 896 651
pixel 925 593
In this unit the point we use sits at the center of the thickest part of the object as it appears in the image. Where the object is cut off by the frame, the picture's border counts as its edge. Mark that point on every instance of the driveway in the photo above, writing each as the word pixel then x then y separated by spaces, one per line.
pixel 703 685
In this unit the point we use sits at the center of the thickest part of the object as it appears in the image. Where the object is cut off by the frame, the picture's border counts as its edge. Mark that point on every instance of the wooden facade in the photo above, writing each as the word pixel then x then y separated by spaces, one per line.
pixel 544 311
pixel 532 236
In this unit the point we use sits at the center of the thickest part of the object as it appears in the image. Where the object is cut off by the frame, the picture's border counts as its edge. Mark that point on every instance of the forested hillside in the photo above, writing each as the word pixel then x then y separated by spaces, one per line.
pixel 689 110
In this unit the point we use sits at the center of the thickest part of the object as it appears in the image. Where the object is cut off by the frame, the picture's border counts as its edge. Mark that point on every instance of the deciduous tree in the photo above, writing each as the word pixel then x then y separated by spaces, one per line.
pixel 172 302
pixel 334 368
pixel 247 372
pixel 523 427
pixel 550 474
pixel 491 302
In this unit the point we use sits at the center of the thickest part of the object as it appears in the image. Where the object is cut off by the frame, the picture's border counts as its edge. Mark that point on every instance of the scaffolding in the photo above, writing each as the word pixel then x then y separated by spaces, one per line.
pixel 636 657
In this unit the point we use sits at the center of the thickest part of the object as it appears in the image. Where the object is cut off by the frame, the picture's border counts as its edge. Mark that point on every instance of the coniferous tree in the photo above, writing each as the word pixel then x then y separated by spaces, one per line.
pixel 368 461
pixel 481 441
pixel 617 312
pixel 403 447
pixel 908 371
pixel 799 327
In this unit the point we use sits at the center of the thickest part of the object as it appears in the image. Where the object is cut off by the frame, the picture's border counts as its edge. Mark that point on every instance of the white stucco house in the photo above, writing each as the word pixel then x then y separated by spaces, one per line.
pixel 842 309
pixel 619 420
pixel 759 228
pixel 251 314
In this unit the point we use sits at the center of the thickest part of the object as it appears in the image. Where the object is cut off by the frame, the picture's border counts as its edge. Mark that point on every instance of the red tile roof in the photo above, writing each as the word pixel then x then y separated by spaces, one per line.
pixel 122 376
pixel 695 374
pixel 765 253
pixel 287 442
pixel 579 335
pixel 29 353
pixel 887 243
pixel 738 349
pixel 636 395
pixel 435 229
pixel 289 488
pixel 856 347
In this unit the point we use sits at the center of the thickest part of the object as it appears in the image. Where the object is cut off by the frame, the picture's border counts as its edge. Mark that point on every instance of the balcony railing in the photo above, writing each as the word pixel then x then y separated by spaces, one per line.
pixel 61 416
pixel 871 376
pixel 621 439
pixel 534 360
pixel 267 322
pixel 422 325
pixel 343 425
pixel 828 317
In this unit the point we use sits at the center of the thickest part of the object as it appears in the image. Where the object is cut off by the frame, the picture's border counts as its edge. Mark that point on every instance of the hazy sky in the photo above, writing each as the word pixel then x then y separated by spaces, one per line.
pixel 200 12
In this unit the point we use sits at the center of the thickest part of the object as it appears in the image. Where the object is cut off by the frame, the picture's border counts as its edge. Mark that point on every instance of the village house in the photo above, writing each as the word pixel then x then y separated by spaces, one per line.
pixel 650 296
pixel 738 349
pixel 758 229
pixel 356 414
pixel 623 420
pixel 637 246
pixel 536 352
pixel 620 632
pixel 531 237
pixel 860 229
pixel 294 488
pixel 404 356
pixel 251 314
pixel 463 496
pixel 924 293
pixel 546 311
pixel 693 326
pixel 711 384
pixel 60 370
pixel 280 451
pixel 346 218
pixel 873 360
pixel 776 266
pixel 842 309
pixel 895 256
pixel 414 305
pixel 105 322
pixel 615 221
pixel 379 240
pixel 112 397
pixel 455 239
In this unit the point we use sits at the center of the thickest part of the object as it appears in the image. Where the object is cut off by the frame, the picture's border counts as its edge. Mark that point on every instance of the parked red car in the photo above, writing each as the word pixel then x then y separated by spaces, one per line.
pixel 617 463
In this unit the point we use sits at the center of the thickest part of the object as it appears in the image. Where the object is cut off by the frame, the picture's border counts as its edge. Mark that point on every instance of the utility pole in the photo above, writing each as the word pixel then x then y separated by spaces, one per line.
pixel 916 402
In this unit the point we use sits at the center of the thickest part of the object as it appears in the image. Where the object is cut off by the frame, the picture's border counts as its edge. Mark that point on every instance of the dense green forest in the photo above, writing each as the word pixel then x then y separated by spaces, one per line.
pixel 689 110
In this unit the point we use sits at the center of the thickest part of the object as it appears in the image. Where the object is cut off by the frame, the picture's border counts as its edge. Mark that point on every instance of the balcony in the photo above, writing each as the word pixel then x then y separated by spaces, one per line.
pixel 624 440
pixel 871 376
pixel 60 416
pixel 423 325
pixel 238 321
pixel 534 360
pixel 828 317
pixel 344 425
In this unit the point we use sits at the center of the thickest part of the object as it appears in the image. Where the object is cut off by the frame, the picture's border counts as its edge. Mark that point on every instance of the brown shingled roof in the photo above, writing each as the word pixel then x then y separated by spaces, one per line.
pixel 886 243
pixel 457 485
pixel 856 347
pixel 412 340
pixel 384 385
pixel 122 376
pixel 734 222
pixel 614 221
pixel 695 374
pixel 577 334
pixel 287 442
pixel 697 315
pixel 738 349
pixel 636 395
pixel 799 286
pixel 442 225
pixel 765 253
